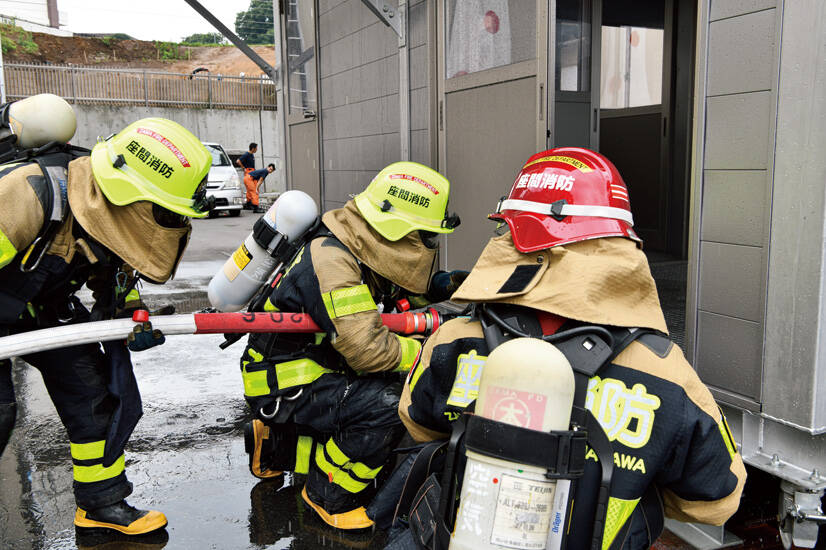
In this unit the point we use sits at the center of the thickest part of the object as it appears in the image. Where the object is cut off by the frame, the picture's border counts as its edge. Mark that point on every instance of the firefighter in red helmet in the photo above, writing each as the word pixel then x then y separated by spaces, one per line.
pixel 570 263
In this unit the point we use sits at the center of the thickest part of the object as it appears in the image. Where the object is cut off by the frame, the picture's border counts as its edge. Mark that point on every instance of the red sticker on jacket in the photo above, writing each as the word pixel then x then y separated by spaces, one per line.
pixel 168 144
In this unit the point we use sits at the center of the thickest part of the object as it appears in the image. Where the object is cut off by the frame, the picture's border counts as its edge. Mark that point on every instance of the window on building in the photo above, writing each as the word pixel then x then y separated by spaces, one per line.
pixel 300 56
pixel 484 34
pixel 573 46
pixel 632 67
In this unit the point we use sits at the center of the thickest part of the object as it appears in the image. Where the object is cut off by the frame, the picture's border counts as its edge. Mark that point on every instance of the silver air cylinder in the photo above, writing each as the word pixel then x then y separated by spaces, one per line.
pixel 525 382
pixel 252 264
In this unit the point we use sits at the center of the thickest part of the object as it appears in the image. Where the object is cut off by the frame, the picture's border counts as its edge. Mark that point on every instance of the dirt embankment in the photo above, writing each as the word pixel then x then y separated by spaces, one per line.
pixel 109 52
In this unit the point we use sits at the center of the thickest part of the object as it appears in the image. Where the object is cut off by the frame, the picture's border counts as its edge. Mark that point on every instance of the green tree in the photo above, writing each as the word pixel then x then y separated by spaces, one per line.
pixel 204 38
pixel 255 26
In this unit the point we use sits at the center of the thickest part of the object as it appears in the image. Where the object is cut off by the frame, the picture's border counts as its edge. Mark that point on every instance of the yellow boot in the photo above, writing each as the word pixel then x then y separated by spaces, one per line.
pixel 255 434
pixel 121 517
pixel 352 519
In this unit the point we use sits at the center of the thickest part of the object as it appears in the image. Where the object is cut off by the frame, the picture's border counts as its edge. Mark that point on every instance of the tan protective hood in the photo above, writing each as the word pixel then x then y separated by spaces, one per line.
pixel 603 281
pixel 406 262
pixel 129 231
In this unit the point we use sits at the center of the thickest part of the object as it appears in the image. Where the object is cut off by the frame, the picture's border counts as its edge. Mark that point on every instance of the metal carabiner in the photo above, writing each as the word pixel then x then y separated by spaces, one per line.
pixel 294 397
pixel 274 412
pixel 24 263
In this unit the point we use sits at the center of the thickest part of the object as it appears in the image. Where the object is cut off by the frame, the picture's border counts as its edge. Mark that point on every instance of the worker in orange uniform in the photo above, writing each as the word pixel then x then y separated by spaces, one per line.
pixel 247 163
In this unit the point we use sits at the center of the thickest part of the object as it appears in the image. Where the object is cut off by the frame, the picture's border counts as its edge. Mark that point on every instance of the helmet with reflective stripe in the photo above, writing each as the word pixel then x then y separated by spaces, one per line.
pixel 404 197
pixel 154 160
pixel 565 195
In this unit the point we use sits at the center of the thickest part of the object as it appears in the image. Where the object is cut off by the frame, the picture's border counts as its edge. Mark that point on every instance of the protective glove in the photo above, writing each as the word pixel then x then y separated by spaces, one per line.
pixel 444 283
pixel 143 337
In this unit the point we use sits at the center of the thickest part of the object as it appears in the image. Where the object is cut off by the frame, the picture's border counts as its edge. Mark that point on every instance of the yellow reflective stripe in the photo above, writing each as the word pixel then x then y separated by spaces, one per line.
pixel 343 461
pixel 363 471
pixel 255 383
pixel 88 451
pixel 298 373
pixel 337 475
pixel 269 306
pixel 335 453
pixel 303 451
pixel 91 474
pixel 257 357
pixel 348 301
pixel 417 372
pixel 619 511
pixel 7 250
pixel 722 425
pixel 133 295
pixel 410 353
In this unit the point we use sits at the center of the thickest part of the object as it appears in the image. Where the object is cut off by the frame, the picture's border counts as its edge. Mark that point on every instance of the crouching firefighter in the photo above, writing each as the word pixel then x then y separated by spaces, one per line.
pixel 68 218
pixel 646 437
pixel 325 405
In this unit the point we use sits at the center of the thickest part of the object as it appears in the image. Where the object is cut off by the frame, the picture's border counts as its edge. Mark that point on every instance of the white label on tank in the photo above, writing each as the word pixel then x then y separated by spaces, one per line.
pixel 523 513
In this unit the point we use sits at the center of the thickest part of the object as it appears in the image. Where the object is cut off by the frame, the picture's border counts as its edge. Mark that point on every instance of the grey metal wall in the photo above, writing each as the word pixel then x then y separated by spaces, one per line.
pixel 738 84
pixel 360 114
pixel 234 130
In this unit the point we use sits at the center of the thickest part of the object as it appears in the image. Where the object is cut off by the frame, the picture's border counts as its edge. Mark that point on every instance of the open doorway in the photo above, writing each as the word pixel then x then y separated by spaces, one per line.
pixel 645 106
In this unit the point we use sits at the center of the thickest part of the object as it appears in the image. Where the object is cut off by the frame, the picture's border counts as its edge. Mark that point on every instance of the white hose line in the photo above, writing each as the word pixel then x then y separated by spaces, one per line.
pixel 87 333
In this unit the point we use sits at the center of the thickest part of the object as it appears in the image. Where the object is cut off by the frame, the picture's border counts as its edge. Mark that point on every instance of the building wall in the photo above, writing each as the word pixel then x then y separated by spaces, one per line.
pixel 734 199
pixel 360 111
pixel 234 130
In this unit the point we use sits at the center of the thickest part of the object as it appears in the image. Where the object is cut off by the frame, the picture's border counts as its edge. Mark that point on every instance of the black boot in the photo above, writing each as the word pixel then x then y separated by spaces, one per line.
pixel 121 517
pixel 8 412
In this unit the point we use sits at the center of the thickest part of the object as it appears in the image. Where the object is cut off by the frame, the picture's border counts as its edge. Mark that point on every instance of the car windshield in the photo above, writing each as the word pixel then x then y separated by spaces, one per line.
pixel 219 158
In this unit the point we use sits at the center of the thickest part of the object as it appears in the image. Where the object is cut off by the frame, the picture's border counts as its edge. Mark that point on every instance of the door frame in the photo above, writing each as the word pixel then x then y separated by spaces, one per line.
pixel 293 119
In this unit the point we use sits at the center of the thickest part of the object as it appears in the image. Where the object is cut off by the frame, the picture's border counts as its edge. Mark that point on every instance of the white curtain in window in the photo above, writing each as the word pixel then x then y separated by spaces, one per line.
pixel 480 37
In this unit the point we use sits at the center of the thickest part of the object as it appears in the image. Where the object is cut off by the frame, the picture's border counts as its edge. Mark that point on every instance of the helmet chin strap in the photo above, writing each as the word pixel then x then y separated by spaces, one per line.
pixel 559 210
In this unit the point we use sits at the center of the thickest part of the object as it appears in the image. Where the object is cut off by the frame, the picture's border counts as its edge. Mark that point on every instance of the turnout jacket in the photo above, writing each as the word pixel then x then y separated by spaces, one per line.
pixel 664 426
pixel 343 278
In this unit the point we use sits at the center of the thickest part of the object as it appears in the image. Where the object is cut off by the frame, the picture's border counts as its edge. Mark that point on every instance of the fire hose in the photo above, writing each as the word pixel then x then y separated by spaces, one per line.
pixel 198 323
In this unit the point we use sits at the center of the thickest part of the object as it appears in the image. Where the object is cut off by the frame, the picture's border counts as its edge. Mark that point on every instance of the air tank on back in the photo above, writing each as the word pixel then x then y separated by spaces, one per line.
pixel 263 251
pixel 38 120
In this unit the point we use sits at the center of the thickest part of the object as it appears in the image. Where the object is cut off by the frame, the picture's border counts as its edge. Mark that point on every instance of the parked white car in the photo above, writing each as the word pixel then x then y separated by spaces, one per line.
pixel 223 182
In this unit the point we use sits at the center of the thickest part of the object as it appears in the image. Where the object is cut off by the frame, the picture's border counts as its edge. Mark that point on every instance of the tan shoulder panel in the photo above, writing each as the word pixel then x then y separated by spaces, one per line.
pixel 673 368
pixel 334 266
pixel 450 331
pixel 21 215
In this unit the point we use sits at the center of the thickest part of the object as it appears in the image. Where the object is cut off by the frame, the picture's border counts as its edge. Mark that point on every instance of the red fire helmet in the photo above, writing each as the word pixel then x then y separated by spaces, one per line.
pixel 566 195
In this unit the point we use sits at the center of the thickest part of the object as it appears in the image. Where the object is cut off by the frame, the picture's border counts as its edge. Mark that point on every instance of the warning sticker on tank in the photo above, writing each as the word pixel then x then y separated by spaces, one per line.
pixel 239 260
pixel 523 513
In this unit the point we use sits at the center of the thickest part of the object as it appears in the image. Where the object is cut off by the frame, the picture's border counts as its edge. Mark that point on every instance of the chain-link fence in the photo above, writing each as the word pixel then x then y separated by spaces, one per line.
pixel 108 86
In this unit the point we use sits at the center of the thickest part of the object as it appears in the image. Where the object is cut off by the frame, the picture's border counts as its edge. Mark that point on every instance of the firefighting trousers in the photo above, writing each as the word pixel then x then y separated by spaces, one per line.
pixel 252 187
pixel 76 379
pixel 348 427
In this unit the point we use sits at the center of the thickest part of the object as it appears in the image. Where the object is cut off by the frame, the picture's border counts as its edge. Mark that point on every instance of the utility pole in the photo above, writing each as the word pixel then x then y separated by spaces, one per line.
pixel 268 69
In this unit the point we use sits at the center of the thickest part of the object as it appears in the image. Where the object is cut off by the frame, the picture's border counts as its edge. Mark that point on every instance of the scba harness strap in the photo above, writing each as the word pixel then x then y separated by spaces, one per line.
pixel 562 453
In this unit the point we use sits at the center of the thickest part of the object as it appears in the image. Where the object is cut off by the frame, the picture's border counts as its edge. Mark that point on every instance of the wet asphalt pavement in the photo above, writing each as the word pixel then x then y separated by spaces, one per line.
pixel 186 456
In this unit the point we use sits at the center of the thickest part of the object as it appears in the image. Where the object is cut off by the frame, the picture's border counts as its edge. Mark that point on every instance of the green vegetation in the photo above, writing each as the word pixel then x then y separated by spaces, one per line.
pixel 255 26
pixel 13 37
pixel 169 51
pixel 204 39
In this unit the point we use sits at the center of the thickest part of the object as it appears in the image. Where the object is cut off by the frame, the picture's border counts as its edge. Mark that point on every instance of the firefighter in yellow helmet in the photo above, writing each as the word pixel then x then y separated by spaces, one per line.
pixel 325 405
pixel 104 220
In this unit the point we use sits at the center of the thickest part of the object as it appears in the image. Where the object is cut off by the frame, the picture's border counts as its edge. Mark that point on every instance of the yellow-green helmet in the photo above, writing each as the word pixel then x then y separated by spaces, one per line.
pixel 156 160
pixel 404 197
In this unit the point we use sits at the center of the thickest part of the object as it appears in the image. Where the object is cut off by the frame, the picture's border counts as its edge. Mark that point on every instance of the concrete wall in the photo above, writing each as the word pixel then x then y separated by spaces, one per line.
pixel 234 130
pixel 739 83
pixel 360 113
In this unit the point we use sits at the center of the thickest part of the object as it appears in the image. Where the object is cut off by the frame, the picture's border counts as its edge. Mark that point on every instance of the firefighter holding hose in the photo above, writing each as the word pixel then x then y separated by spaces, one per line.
pixel 325 405
pixel 571 271
pixel 105 220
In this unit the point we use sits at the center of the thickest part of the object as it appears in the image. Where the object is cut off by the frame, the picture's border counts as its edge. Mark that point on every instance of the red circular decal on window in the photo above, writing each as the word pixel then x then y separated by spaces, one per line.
pixel 491 22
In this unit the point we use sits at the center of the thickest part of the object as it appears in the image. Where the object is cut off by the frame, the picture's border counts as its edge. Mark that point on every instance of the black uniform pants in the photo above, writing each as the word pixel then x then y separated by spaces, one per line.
pixel 354 424
pixel 76 379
